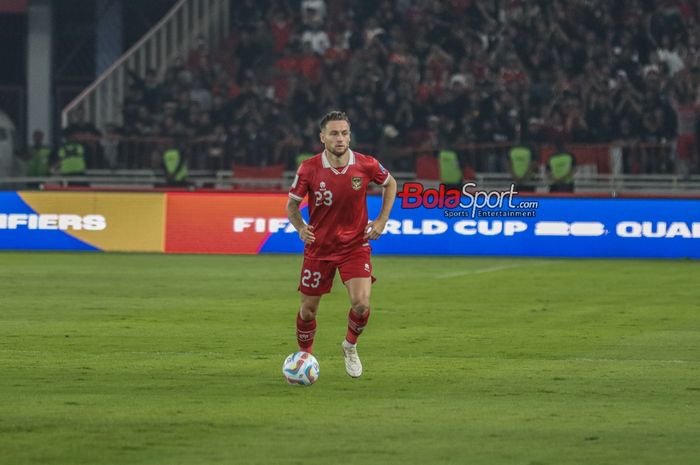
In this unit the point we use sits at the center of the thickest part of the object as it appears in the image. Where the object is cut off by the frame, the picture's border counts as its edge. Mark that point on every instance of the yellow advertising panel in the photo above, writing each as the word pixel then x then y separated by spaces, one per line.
pixel 108 221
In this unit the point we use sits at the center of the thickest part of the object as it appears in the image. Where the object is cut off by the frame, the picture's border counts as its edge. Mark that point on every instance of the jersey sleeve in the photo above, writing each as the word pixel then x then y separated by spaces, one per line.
pixel 380 175
pixel 302 180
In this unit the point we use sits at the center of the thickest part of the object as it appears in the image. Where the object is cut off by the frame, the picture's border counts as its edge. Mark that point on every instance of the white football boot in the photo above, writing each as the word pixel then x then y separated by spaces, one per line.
pixel 353 365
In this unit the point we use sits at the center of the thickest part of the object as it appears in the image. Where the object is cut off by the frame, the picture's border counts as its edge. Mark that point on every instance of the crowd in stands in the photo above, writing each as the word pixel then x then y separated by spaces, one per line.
pixel 426 74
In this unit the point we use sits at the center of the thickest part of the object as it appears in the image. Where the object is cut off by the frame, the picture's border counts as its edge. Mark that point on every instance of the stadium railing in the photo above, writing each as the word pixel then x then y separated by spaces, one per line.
pixel 226 180
pixel 135 162
pixel 172 36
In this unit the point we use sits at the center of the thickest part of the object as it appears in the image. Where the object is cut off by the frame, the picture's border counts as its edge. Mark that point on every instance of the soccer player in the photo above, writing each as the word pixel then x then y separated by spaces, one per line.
pixel 337 236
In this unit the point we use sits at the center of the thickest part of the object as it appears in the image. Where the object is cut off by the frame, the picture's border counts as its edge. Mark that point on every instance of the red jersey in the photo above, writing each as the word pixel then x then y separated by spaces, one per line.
pixel 337 202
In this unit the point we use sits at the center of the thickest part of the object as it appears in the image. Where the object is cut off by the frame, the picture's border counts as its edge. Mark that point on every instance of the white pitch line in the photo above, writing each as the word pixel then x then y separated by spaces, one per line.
pixel 623 360
pixel 490 269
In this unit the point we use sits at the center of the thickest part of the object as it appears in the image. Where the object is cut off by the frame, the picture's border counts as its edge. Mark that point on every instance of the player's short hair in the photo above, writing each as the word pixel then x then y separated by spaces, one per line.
pixel 335 115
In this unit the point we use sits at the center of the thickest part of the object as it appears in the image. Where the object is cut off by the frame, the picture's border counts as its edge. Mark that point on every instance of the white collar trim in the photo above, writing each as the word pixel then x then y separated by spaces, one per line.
pixel 327 164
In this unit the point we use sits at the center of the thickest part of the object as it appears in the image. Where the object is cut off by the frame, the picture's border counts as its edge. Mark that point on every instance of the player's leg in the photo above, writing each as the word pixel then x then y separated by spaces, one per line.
pixel 306 322
pixel 356 273
pixel 316 279
pixel 359 290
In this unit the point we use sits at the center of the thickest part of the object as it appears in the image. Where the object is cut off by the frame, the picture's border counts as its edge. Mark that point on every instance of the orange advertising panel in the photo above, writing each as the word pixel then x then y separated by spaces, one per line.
pixel 222 223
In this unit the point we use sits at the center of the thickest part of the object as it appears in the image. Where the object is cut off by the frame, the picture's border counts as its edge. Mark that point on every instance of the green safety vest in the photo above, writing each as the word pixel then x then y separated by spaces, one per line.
pixel 303 157
pixel 71 158
pixel 450 172
pixel 520 159
pixel 171 159
pixel 561 165
pixel 39 163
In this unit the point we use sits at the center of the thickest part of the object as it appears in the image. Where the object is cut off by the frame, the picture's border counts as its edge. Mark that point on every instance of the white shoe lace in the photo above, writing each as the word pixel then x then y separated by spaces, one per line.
pixel 351 354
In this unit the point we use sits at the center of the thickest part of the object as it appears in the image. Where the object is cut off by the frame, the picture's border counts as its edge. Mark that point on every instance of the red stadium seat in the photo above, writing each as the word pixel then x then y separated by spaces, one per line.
pixel 469 173
pixel 427 167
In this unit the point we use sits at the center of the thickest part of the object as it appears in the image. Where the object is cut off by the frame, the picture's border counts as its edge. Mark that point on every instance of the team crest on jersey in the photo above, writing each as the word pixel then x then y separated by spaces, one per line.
pixel 322 186
pixel 356 183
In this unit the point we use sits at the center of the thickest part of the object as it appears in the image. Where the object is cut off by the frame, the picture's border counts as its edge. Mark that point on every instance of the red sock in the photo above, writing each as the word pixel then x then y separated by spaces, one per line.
pixel 356 324
pixel 306 330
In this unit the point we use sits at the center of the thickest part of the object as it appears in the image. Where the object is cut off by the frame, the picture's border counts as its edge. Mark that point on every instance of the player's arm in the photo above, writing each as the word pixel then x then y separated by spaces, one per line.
pixel 294 214
pixel 299 190
pixel 376 227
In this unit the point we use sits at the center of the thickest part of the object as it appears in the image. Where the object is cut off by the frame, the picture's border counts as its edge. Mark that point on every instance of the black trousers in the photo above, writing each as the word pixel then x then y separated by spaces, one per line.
pixel 561 187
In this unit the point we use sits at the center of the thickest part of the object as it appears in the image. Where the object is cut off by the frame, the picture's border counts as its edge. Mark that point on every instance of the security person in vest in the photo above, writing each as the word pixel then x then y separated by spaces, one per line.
pixel 38 156
pixel 522 164
pixel 561 168
pixel 70 159
pixel 175 165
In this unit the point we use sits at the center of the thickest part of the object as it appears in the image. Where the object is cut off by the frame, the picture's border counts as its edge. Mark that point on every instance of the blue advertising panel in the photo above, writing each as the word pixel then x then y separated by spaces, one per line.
pixel 82 221
pixel 515 226
pixel 23 227
pixel 542 226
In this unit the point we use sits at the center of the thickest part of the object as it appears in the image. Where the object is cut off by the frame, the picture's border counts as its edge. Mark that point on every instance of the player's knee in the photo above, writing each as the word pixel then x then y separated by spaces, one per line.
pixel 307 314
pixel 360 305
pixel 308 310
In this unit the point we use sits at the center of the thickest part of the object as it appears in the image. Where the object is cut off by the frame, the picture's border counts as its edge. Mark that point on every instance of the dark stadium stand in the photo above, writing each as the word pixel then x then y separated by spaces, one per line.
pixel 616 82
pixel 433 74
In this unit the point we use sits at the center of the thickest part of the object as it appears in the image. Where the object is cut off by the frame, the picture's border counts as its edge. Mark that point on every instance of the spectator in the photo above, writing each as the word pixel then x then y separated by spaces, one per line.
pixel 79 126
pixel 567 72
pixel 150 90
pixel 175 161
pixel 38 156
pixel 317 39
pixel 313 12
pixel 686 105
pixel 83 133
pixel 523 165
pixel 200 94
pixel 110 146
pixel 70 159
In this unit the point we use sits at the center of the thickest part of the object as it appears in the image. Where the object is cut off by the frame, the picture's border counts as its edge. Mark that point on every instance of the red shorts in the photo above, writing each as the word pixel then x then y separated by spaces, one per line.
pixel 317 275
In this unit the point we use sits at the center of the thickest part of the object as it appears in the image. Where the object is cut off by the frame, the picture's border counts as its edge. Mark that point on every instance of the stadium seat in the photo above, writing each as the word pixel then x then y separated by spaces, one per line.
pixel 469 173
pixel 427 167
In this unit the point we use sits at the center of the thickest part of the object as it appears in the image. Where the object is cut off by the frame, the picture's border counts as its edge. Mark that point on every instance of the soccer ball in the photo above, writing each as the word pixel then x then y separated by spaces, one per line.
pixel 301 368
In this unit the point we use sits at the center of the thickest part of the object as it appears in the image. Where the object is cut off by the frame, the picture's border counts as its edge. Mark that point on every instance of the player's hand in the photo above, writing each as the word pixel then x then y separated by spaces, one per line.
pixel 374 229
pixel 306 234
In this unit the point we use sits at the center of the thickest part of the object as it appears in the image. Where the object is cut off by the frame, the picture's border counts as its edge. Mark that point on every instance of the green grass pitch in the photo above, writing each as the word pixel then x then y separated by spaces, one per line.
pixel 165 359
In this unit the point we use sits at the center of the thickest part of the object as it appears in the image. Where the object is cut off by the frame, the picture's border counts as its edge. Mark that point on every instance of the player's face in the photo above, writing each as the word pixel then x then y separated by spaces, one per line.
pixel 336 137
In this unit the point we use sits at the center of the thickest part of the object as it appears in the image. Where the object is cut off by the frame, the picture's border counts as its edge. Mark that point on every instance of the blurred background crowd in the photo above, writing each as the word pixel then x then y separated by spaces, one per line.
pixel 427 74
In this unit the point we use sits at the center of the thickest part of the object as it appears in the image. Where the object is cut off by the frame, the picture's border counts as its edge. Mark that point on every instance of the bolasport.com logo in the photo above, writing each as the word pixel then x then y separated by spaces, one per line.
pixel 468 202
